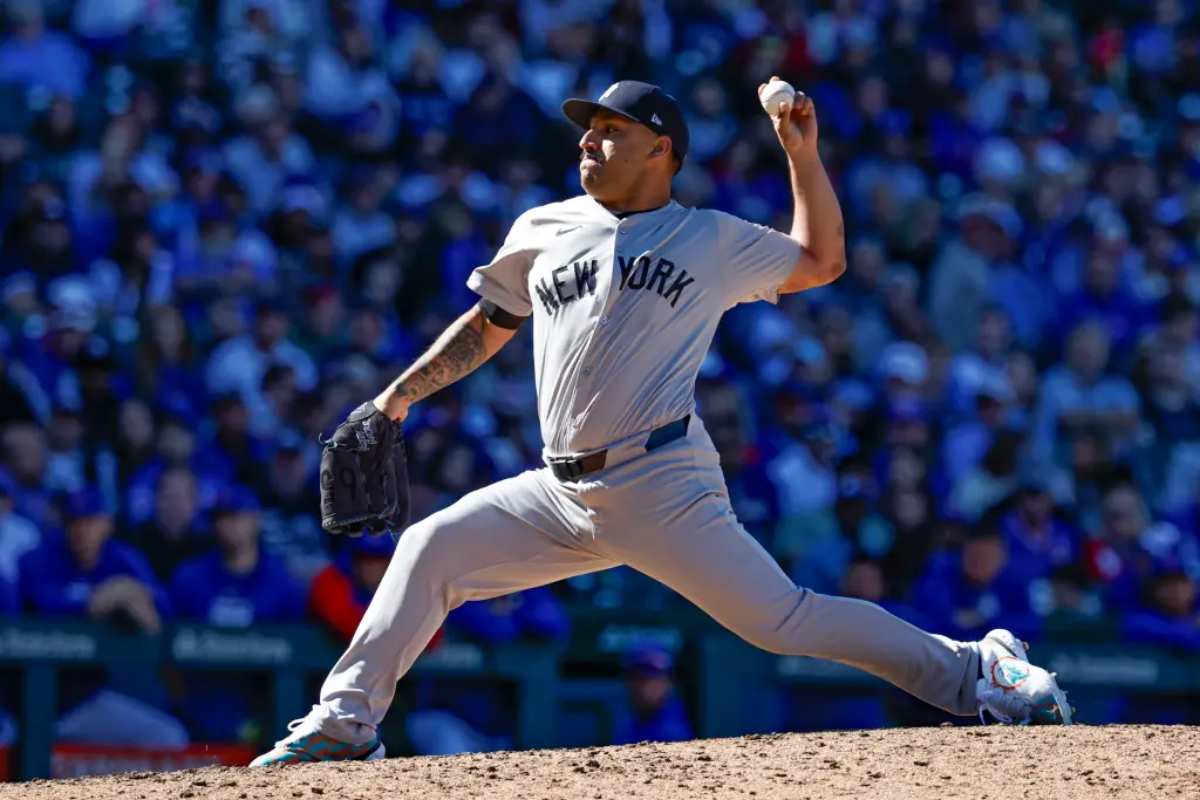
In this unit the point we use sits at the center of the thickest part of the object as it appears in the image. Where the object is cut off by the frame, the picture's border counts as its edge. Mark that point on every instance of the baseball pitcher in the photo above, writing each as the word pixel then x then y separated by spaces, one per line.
pixel 625 287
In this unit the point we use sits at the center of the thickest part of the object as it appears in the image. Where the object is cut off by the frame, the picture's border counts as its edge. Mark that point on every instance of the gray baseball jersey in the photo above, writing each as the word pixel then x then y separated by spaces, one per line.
pixel 624 309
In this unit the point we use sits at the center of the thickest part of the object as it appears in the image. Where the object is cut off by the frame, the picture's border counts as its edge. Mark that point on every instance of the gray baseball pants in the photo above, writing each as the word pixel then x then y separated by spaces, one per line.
pixel 665 513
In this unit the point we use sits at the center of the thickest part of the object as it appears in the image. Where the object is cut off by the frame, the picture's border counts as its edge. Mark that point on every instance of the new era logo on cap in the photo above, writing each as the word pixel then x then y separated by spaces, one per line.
pixel 637 101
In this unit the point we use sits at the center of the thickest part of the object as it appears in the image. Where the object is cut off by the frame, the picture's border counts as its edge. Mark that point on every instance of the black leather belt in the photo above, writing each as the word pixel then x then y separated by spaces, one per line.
pixel 569 469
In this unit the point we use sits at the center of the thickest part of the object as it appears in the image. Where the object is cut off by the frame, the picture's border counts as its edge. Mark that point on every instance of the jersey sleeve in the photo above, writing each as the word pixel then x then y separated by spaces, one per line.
pixel 505 280
pixel 755 259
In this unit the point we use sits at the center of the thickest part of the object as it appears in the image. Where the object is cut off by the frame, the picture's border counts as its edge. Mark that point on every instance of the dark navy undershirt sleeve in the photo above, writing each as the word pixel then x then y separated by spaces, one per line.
pixel 499 317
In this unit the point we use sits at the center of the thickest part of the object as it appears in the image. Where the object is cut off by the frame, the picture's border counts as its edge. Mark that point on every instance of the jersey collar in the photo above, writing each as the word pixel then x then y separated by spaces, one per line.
pixel 669 205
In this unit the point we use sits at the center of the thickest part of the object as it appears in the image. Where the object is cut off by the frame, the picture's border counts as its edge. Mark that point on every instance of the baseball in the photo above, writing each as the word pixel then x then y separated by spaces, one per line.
pixel 775 94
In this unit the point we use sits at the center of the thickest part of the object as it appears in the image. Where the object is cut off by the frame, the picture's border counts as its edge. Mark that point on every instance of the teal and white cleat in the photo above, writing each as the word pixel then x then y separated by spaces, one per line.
pixel 306 744
pixel 1014 691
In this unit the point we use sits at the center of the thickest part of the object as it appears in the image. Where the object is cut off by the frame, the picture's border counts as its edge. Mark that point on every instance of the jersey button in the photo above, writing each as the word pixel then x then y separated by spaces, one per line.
pixel 587 371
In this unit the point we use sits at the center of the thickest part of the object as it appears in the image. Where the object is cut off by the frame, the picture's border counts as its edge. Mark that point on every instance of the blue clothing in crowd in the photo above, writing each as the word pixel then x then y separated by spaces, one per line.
pixel 962 610
pixel 52 583
pixel 220 707
pixel 10 603
pixel 534 613
pixel 204 589
pixel 1033 555
pixel 1146 626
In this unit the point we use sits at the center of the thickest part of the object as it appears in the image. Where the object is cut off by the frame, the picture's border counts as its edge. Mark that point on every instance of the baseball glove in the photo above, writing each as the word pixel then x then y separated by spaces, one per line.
pixel 364 475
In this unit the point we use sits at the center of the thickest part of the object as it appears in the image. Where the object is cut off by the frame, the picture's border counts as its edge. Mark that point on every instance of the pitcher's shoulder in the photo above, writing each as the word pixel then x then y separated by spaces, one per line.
pixel 717 218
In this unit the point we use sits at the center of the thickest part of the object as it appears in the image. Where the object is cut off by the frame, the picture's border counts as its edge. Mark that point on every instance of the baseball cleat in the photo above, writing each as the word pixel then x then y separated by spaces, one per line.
pixel 1014 691
pixel 306 744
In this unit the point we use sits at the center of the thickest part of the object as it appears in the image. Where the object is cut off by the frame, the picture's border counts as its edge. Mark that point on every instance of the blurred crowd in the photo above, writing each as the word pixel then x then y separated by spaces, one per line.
pixel 224 223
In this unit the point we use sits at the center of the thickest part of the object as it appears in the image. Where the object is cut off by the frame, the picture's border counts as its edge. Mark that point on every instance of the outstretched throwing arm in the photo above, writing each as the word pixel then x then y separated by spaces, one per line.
pixel 817 217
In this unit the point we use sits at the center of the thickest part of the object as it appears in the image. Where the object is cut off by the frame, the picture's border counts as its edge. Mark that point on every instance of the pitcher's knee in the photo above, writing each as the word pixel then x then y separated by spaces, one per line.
pixel 422 557
pixel 778 634
pixel 778 629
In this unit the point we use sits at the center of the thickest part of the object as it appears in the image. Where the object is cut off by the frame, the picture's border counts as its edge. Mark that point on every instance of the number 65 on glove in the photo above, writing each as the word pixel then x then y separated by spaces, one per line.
pixel 364 475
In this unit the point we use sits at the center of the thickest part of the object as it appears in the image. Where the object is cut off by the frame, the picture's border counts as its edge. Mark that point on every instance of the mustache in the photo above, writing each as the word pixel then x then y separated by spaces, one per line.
pixel 585 154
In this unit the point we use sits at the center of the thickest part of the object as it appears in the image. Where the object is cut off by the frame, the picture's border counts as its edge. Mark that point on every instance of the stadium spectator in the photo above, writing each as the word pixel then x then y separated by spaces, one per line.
pixel 363 225
pixel 1169 615
pixel 240 364
pixel 35 57
pixel 18 536
pixel 966 443
pixel 1079 394
pixel 1172 408
pixel 19 394
pixel 232 450
pixel 983 363
pixel 969 591
pixel 165 368
pixel 1038 539
pixel 655 712
pixel 173 534
pixel 269 152
pixel 24 461
pixel 1103 298
pixel 288 491
pixel 85 572
pixel 803 442
pixel 175 447
pixel 727 422
pixel 963 281
pixel 133 443
pixel 831 541
pixel 339 594
pixel 1112 553
pixel 995 477
pixel 237 584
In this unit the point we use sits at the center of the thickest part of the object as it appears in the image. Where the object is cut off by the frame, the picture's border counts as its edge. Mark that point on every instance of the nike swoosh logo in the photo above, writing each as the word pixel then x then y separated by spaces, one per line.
pixel 561 231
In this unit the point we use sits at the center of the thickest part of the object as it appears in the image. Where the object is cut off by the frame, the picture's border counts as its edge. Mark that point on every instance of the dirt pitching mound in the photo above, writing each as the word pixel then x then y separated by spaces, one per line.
pixel 996 762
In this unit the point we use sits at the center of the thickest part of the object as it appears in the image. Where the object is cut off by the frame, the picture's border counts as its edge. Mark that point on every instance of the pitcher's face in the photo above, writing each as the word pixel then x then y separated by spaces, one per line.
pixel 615 154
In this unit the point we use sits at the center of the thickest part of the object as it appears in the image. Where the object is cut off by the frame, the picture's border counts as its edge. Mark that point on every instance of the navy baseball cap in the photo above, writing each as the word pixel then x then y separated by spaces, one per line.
pixel 648 660
pixel 637 101
pixel 372 546
pixel 84 503
pixel 235 499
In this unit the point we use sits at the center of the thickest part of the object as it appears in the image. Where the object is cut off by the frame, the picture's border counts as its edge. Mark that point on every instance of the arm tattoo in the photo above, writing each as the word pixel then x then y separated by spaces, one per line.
pixel 456 353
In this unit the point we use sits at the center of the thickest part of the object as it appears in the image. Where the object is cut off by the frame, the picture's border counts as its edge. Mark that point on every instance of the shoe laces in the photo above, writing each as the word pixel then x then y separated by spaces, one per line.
pixel 293 732
pixel 1004 706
